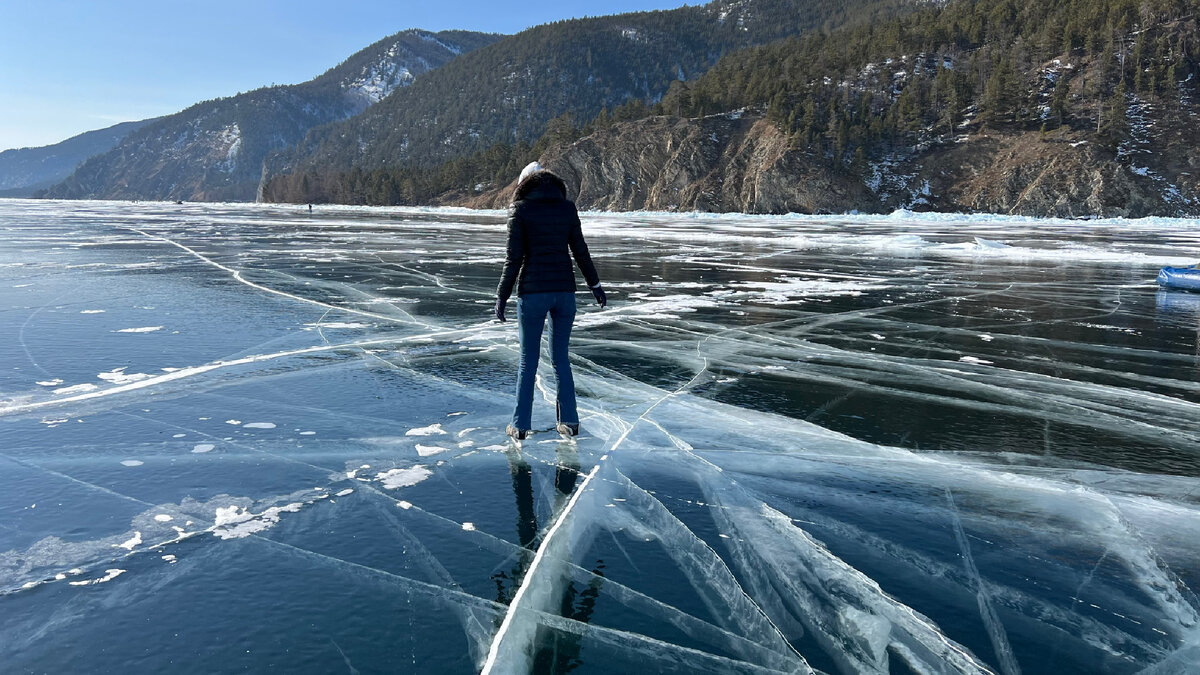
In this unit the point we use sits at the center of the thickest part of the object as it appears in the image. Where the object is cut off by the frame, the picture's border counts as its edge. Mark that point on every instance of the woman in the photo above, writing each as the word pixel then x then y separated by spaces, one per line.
pixel 543 226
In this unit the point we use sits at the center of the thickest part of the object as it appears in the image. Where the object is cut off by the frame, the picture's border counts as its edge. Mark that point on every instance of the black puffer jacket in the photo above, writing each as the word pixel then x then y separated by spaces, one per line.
pixel 543 226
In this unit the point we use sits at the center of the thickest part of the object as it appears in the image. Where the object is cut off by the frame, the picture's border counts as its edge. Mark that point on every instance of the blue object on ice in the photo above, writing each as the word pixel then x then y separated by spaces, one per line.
pixel 1180 278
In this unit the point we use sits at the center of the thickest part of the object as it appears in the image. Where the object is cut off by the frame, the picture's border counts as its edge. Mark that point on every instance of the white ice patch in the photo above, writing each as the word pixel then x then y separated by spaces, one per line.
pixel 398 478
pixel 337 324
pixel 233 422
pixel 648 308
pixel 469 527
pixel 119 376
pixel 131 543
pixel 976 361
pixel 132 462
pixel 142 329
pixel 50 383
pixel 260 425
pixel 178 435
pixel 169 558
pixel 427 450
pixel 788 290
pixel 109 575
pixel 235 522
pixel 343 493
pixel 77 389
pixel 91 311
pixel 163 518
pixel 308 433
pixel 203 447
pixel 431 430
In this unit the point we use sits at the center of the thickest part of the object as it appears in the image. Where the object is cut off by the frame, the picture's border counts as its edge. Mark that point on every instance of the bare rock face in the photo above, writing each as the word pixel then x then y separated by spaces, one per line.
pixel 743 163
pixel 1046 177
pixel 719 163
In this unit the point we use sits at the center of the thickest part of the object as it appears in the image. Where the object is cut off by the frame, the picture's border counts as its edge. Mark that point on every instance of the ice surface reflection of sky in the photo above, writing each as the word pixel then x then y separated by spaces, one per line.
pixel 239 437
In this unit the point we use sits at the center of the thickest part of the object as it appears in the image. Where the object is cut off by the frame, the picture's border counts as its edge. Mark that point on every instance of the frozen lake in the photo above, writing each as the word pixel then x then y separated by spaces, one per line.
pixel 241 438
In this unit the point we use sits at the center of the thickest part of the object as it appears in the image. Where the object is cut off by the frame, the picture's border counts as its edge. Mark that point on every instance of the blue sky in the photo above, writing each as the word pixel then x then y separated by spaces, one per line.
pixel 69 66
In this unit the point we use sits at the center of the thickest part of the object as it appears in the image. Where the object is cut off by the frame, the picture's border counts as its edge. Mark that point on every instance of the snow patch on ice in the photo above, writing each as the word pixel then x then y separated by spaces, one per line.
pixel 337 324
pixel 142 329
pixel 109 575
pixel 427 450
pixel 398 478
pixel 431 430
pixel 132 542
pixel 119 376
pixel 77 389
pixel 235 522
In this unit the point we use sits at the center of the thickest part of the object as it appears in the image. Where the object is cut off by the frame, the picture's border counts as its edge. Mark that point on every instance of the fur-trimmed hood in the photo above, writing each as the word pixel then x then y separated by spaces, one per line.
pixel 540 185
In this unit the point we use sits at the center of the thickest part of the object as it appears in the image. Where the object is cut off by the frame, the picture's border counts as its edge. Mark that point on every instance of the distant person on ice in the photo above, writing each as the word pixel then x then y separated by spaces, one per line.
pixel 543 234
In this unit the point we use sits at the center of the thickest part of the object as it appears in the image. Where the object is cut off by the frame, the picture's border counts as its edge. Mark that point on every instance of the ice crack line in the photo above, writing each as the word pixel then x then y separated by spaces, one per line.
pixel 987 612
pixel 184 373
pixel 494 650
pixel 237 276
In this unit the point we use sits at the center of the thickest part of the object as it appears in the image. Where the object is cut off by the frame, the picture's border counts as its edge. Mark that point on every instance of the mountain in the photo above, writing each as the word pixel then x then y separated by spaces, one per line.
pixel 511 90
pixel 25 170
pixel 214 150
pixel 1077 108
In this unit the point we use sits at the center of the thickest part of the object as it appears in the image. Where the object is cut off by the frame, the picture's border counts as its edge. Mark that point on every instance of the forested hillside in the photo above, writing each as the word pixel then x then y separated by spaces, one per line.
pixel 1072 108
pixel 23 171
pixel 509 91
pixel 214 150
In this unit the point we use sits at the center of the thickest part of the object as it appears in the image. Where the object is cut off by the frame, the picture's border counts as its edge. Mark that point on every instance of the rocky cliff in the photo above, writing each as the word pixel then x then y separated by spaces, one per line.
pixel 742 162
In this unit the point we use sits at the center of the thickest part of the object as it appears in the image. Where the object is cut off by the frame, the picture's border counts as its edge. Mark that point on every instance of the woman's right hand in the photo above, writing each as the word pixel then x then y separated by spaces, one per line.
pixel 500 305
pixel 601 298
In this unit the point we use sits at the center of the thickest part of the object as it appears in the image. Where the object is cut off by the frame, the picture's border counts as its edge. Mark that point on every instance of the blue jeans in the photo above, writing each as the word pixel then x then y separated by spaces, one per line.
pixel 531 318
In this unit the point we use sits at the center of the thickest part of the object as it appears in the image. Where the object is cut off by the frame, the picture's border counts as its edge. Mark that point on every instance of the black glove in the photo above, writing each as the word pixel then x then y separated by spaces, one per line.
pixel 500 303
pixel 598 292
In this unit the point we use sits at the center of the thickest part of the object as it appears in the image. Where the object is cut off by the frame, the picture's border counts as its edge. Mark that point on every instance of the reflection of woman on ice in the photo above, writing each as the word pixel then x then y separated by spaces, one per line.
pixel 543 233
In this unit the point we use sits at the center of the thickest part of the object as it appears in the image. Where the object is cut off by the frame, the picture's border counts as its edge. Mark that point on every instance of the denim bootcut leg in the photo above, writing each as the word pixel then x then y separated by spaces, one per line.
pixel 531 318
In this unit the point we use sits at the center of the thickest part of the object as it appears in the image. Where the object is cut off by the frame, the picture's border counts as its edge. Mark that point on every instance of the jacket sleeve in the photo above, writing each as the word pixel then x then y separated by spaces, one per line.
pixel 514 257
pixel 583 258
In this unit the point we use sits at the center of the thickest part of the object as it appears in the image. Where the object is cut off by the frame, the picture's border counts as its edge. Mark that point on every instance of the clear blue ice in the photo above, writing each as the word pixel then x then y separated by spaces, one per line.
pixel 243 437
